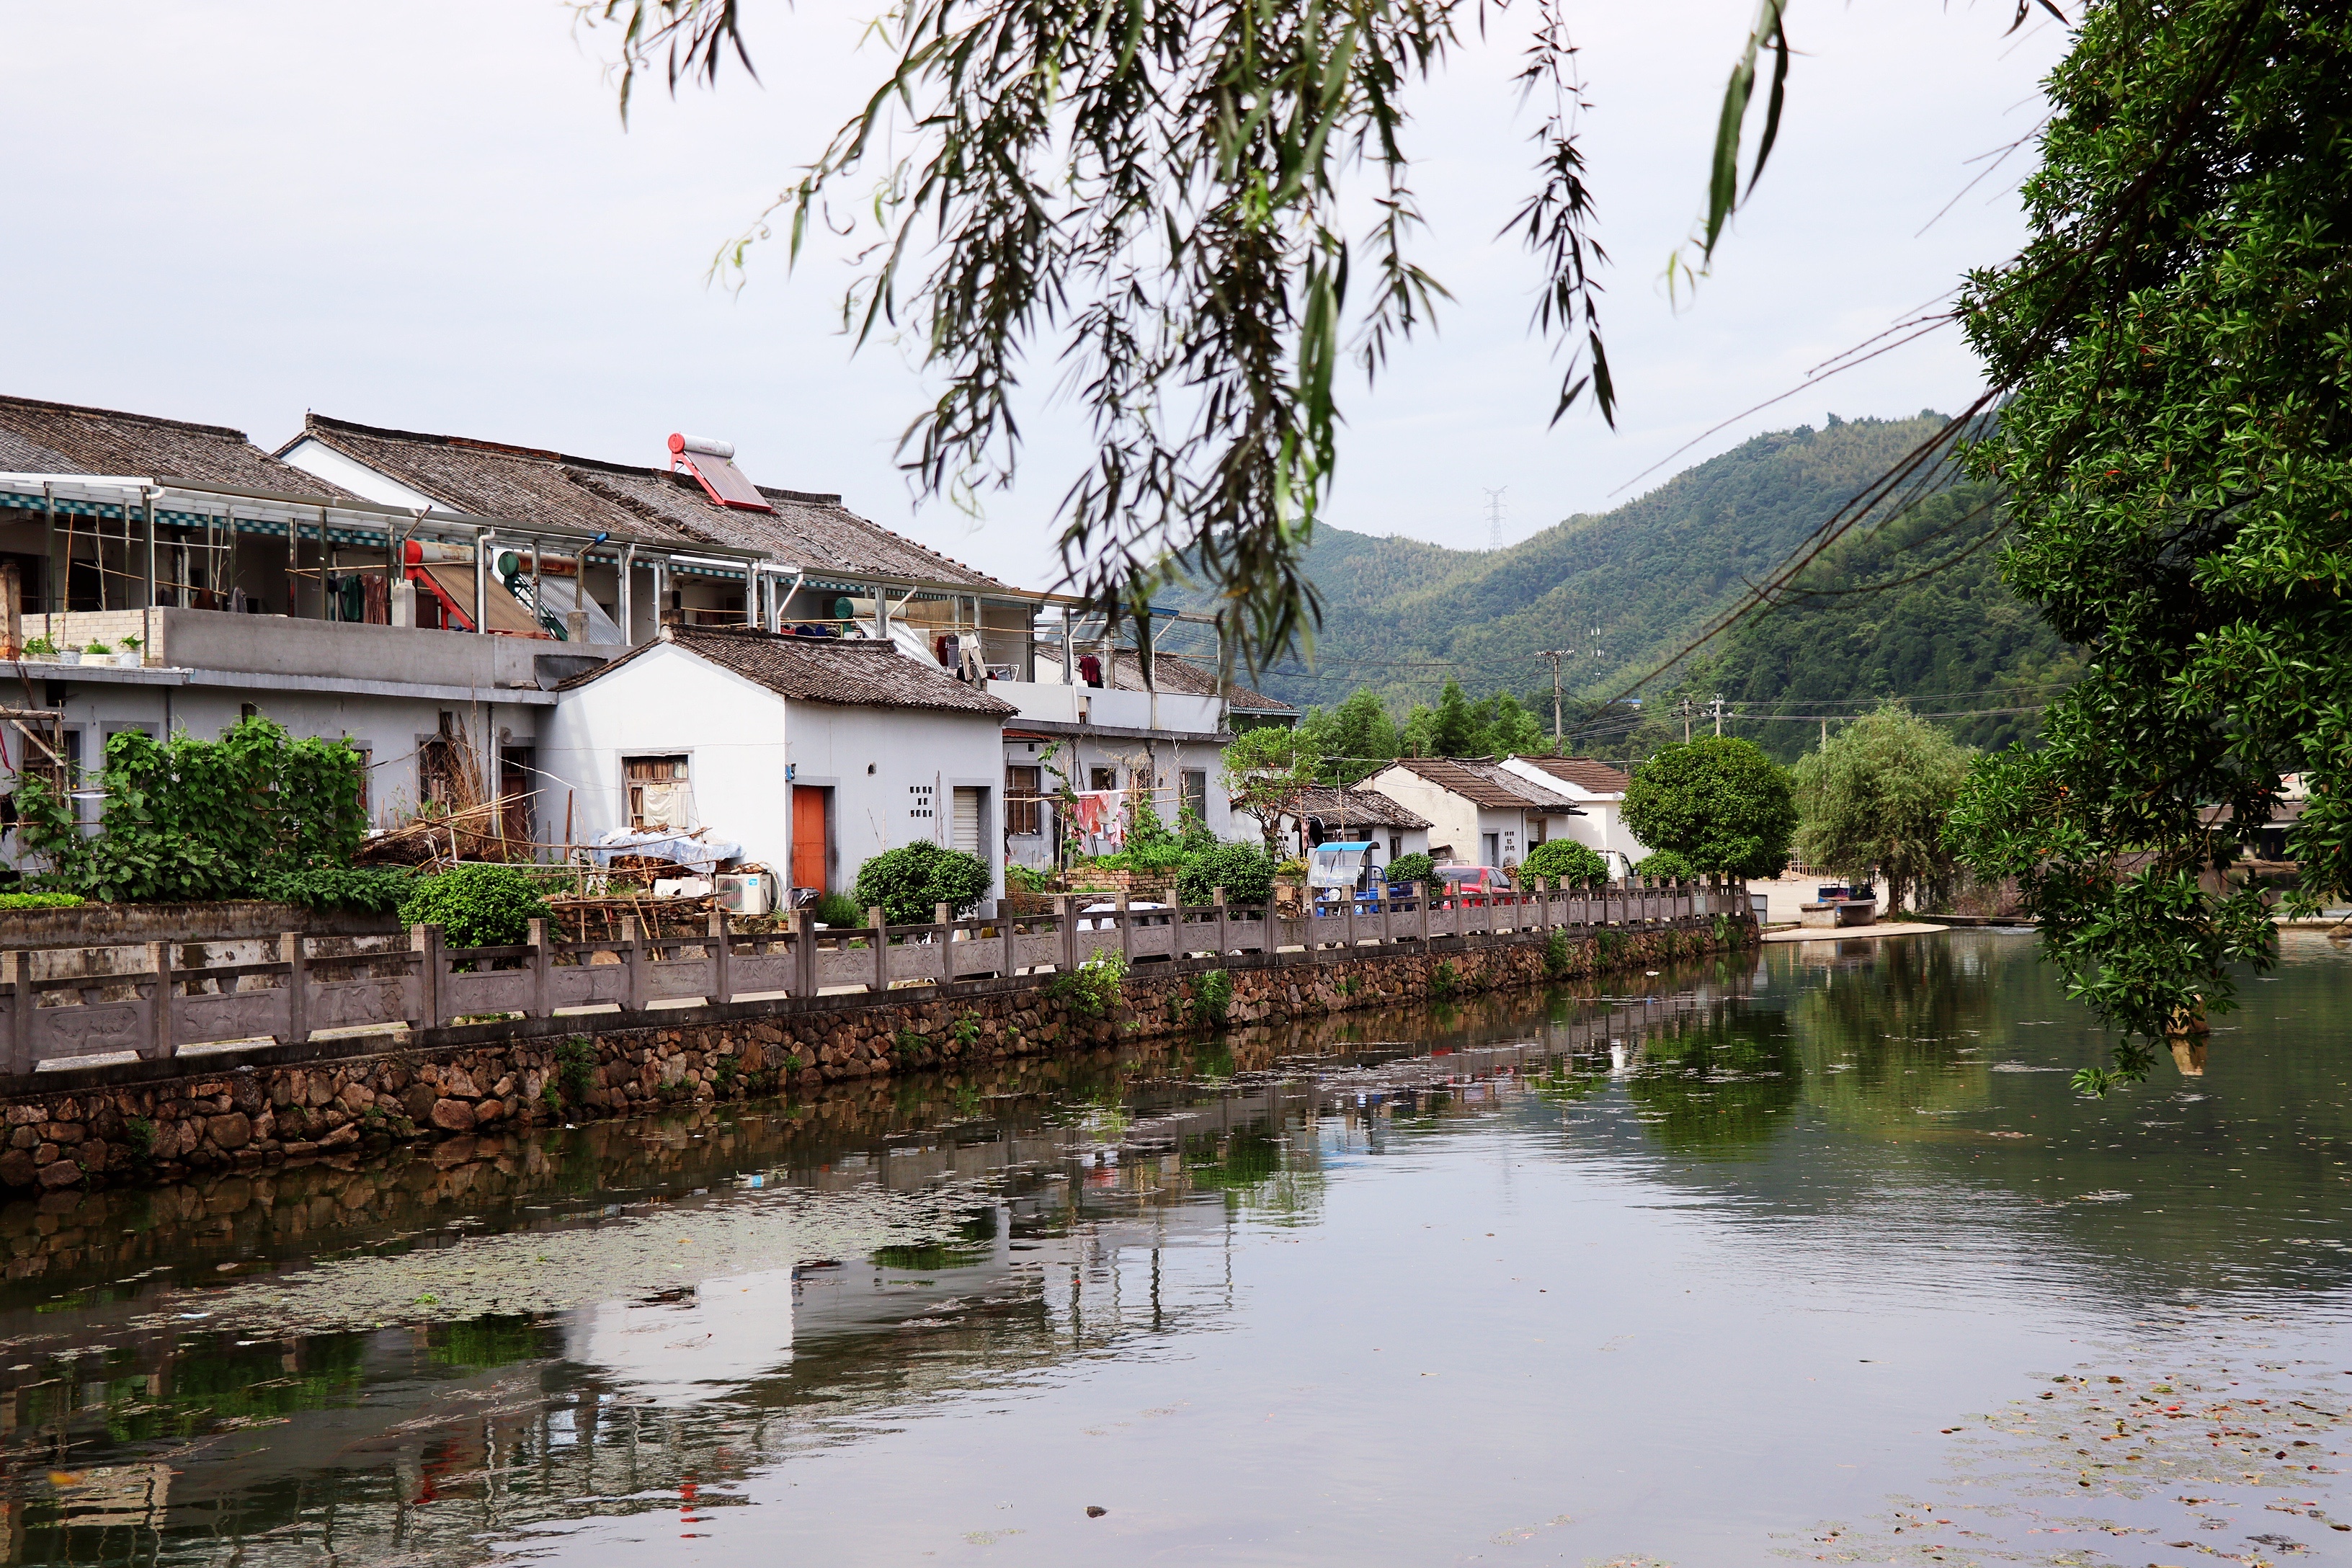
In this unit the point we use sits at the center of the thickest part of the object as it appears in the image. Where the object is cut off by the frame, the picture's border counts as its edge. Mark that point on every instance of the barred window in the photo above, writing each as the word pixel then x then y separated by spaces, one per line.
pixel 1024 812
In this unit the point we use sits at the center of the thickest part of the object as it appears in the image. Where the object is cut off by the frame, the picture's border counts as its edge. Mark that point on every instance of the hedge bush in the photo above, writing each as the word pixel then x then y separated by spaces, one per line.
pixel 367 889
pixel 1564 860
pixel 1407 870
pixel 1244 870
pixel 41 900
pixel 1667 864
pixel 477 906
pixel 910 881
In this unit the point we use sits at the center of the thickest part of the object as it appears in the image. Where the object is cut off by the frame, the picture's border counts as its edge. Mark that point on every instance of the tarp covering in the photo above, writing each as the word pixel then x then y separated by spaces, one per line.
pixel 702 851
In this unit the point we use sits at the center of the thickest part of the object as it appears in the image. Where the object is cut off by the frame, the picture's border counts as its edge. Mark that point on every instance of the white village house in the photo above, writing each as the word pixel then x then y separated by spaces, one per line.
pixel 814 754
pixel 1478 812
pixel 1598 792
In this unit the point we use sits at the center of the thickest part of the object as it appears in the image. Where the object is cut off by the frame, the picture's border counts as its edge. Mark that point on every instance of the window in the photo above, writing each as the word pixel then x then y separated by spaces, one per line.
pixel 1196 792
pixel 1396 846
pixel 659 795
pixel 1025 813
pixel 1102 778
pixel 50 753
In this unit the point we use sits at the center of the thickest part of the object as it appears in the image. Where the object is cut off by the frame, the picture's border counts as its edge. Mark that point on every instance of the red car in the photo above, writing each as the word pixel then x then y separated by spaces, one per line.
pixel 1469 887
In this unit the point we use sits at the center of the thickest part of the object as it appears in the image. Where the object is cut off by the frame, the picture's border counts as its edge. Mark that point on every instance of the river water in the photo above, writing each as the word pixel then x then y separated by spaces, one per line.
pixel 1810 1256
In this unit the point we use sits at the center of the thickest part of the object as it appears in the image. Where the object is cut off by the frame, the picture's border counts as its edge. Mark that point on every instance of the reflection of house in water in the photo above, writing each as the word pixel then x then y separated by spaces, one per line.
pixel 696 1343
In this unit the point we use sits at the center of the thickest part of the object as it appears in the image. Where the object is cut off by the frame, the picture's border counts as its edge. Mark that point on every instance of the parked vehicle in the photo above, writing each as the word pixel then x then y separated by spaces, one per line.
pixel 1472 887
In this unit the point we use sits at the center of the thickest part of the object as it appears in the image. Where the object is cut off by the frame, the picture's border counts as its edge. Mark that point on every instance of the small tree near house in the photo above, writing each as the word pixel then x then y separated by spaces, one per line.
pixel 1268 773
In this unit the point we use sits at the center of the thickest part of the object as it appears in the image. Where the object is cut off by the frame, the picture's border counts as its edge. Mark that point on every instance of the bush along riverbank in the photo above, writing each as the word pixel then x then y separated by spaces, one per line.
pixel 126 1125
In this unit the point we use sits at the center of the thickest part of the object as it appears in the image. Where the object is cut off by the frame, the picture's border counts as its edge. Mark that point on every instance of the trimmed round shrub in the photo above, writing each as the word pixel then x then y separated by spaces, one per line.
pixel 909 882
pixel 1407 870
pixel 1244 870
pixel 1667 865
pixel 1566 861
pixel 477 906
pixel 838 911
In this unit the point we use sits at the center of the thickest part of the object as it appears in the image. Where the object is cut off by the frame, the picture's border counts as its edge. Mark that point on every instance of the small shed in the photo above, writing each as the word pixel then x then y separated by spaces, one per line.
pixel 815 755
pixel 1361 815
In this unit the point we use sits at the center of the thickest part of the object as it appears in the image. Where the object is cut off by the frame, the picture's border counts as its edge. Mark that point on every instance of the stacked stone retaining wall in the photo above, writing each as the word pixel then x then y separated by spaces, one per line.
pixel 126 1123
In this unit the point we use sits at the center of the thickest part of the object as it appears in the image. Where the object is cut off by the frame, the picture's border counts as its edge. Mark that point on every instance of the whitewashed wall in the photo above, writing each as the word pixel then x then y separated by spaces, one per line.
pixel 739 739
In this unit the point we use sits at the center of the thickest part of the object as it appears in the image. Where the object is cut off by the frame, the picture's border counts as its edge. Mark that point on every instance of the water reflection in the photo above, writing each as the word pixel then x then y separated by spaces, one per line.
pixel 538 1341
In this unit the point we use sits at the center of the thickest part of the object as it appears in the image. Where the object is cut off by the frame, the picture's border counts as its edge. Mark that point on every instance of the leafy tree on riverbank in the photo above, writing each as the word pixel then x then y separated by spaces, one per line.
pixel 1718 802
pixel 1877 798
pixel 2179 460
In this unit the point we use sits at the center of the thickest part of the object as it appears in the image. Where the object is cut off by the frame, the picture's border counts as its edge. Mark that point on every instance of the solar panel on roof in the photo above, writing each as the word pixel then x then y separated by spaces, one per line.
pixel 713 466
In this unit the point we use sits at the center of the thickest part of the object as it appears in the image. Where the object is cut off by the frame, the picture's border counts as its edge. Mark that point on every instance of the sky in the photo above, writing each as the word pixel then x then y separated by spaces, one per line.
pixel 431 216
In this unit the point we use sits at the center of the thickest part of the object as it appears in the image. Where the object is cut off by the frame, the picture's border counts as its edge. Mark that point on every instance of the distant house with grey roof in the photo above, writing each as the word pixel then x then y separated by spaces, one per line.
pixel 1598 792
pixel 1479 812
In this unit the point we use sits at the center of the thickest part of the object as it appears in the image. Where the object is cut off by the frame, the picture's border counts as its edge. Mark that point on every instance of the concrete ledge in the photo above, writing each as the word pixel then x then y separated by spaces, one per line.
pixel 1852 933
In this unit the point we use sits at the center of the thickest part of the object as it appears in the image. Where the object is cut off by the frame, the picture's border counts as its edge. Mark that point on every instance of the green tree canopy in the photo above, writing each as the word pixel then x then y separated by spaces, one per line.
pixel 1266 772
pixel 1718 802
pixel 1877 797
pixel 1356 738
pixel 2179 334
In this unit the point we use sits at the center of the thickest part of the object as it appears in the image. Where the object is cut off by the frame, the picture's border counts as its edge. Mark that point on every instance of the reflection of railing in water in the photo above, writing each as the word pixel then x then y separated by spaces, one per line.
pixel 154 1012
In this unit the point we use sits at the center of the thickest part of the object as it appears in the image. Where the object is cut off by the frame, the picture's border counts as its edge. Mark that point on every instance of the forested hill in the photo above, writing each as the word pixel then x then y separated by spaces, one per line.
pixel 1914 609
pixel 1400 616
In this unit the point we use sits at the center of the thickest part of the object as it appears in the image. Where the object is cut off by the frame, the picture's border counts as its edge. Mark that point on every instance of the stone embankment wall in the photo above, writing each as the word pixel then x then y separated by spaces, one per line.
pixel 242 1115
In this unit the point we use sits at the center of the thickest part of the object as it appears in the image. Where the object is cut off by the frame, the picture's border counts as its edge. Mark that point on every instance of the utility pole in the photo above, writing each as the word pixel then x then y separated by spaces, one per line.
pixel 1684 707
pixel 1555 655
pixel 1719 716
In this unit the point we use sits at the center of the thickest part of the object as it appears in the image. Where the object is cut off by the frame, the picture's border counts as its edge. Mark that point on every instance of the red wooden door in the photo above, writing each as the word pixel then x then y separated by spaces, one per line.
pixel 809 805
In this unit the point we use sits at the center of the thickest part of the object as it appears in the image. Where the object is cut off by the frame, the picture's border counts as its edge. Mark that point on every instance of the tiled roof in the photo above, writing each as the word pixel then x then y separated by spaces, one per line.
pixel 1482 781
pixel 819 669
pixel 1174 673
pixel 1600 778
pixel 530 484
pixel 1357 805
pixel 62 437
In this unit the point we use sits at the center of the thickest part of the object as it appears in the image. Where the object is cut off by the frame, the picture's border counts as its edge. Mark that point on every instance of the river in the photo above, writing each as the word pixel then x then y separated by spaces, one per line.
pixel 1810 1257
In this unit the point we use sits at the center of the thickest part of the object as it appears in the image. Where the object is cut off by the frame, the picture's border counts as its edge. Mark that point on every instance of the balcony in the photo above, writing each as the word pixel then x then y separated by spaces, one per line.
pixel 216 647
pixel 1103 708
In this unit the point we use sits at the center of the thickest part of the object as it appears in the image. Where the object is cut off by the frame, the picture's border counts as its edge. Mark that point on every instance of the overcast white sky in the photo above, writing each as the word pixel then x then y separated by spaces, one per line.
pixel 428 215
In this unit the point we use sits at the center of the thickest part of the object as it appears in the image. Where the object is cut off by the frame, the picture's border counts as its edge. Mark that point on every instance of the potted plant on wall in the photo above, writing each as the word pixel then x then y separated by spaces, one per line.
pixel 40 650
pixel 131 657
pixel 68 655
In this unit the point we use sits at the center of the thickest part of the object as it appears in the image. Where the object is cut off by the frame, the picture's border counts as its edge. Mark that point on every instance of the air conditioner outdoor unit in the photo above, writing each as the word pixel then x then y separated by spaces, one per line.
pixel 747 892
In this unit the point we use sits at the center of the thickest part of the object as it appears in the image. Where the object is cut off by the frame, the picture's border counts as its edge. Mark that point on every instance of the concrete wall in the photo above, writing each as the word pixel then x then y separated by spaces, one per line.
pixel 739 739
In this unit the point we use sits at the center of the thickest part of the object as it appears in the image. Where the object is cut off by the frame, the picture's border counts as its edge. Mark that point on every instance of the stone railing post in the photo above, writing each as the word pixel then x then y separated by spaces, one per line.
pixel 1066 915
pixel 1126 929
pixel 803 953
pixel 297 987
pixel 425 942
pixel 1387 915
pixel 881 929
pixel 17 974
pixel 1421 901
pixel 635 956
pixel 721 948
pixel 542 983
pixel 159 1019
pixel 943 917
pixel 1224 922
pixel 1008 928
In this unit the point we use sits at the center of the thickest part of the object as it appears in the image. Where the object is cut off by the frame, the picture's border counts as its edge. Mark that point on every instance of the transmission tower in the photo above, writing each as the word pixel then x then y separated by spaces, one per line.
pixel 1494 517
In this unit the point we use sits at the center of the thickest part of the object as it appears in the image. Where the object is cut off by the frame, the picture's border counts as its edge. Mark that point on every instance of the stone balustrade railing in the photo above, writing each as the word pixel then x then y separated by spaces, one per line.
pixel 157 1011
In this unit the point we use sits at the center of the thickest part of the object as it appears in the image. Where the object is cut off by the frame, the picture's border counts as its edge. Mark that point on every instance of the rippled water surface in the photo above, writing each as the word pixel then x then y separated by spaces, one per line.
pixel 1811 1257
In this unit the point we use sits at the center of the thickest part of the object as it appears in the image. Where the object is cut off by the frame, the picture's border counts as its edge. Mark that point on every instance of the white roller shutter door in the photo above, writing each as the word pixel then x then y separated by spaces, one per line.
pixel 967 821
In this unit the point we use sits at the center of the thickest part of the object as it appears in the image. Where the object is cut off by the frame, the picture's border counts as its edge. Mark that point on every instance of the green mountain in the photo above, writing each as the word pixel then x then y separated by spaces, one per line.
pixel 1914 609
pixel 1402 616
